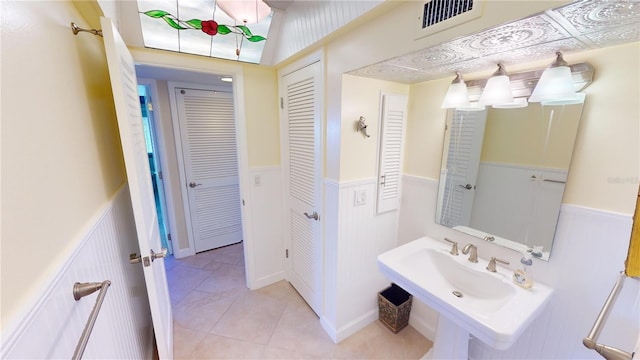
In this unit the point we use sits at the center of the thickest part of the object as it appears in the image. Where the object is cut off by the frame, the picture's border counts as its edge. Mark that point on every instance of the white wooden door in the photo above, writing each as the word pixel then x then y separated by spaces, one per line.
pixel 210 159
pixel 302 93
pixel 393 119
pixel 127 103
pixel 466 133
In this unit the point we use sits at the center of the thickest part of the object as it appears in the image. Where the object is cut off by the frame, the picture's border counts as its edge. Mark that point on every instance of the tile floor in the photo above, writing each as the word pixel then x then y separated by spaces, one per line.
pixel 217 317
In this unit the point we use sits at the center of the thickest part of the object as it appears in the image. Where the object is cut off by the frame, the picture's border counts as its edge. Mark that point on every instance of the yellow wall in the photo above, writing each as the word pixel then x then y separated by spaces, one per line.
pixel 633 258
pixel 605 167
pixel 361 97
pixel 519 136
pixel 61 155
pixel 263 123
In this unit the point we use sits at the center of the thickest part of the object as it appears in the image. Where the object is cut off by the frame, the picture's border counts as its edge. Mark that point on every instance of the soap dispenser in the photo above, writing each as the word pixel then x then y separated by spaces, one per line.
pixel 522 275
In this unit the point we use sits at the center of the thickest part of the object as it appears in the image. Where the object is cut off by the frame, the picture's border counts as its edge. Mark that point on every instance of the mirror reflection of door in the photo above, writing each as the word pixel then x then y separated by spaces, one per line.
pixel 464 134
pixel 208 136
pixel 155 165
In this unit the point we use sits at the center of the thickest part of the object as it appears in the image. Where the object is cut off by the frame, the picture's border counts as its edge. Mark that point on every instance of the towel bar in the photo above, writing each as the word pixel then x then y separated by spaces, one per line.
pixel 608 352
pixel 81 290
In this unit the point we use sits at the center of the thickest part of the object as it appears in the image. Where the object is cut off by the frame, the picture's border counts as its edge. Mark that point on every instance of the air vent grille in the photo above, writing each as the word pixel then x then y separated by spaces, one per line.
pixel 436 11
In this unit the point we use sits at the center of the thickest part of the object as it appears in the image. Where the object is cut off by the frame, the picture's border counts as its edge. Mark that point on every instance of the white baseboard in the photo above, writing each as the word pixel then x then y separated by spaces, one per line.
pixel 268 280
pixel 183 253
pixel 329 328
pixel 356 325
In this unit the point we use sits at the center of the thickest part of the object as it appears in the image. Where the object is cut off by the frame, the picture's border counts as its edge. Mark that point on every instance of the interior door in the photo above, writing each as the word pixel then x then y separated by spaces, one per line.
pixel 127 103
pixel 210 159
pixel 465 133
pixel 301 108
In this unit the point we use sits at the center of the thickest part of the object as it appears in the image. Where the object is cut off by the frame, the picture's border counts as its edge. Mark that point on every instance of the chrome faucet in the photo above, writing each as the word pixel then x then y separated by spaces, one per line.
pixel 492 264
pixel 472 250
pixel 454 247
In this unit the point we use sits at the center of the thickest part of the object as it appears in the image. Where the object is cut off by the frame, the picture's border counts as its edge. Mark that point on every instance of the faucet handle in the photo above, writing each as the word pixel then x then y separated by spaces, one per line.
pixel 492 263
pixel 454 247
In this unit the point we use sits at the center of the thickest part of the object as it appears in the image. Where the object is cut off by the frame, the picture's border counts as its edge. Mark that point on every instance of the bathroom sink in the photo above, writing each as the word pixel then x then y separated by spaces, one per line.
pixel 471 299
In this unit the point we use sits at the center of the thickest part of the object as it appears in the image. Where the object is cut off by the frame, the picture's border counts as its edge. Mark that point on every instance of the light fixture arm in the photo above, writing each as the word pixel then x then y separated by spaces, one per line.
pixel 501 71
pixel 559 61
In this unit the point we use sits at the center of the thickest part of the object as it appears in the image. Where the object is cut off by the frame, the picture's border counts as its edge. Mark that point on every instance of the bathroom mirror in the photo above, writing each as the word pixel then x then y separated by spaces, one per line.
pixel 504 171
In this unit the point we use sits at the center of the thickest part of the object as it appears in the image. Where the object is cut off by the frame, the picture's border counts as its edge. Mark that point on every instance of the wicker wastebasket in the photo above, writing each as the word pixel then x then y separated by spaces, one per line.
pixel 394 307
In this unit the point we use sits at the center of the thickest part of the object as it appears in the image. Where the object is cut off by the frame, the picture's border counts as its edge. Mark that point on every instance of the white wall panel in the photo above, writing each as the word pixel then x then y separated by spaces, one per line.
pixel 588 252
pixel 362 236
pixel 307 22
pixel 267 229
pixel 123 329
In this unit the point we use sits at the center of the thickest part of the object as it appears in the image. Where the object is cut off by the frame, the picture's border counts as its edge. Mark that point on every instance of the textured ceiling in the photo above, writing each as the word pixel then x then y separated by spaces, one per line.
pixel 572 28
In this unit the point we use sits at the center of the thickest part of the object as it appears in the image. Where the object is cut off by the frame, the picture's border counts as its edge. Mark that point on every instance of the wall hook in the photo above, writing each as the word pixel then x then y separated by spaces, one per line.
pixel 76 29
pixel 362 126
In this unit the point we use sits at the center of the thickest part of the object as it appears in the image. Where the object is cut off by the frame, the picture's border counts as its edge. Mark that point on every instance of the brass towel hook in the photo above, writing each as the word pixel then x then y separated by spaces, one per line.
pixel 76 29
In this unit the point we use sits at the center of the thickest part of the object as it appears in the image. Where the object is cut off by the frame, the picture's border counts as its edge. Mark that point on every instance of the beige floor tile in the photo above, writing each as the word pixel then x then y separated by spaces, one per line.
pixel 200 311
pixel 184 279
pixel 227 279
pixel 185 341
pixel 219 347
pixel 209 294
pixel 252 317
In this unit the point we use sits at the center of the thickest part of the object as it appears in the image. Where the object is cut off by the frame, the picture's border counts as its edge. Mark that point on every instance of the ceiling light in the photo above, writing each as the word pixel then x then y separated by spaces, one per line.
pixel 245 11
pixel 457 95
pixel 226 79
pixel 498 89
pixel 555 84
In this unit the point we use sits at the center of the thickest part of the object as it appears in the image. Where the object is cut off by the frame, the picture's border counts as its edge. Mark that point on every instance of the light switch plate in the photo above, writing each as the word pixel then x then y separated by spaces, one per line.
pixel 360 198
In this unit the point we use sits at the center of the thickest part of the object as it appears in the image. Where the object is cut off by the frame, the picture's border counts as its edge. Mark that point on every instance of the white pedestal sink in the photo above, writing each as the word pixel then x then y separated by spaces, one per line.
pixel 470 299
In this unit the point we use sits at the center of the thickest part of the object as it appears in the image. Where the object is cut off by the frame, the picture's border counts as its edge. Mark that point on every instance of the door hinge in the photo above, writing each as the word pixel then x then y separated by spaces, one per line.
pixel 281 103
pixel 286 253
pixel 242 202
pixel 160 175
pixel 150 107
pixel 169 237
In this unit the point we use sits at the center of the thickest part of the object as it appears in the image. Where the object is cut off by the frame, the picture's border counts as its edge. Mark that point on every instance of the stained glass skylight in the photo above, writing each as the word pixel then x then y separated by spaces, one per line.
pixel 201 27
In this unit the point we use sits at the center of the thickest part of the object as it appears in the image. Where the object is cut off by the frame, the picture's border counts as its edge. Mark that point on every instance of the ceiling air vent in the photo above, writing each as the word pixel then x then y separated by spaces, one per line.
pixel 438 15
pixel 436 11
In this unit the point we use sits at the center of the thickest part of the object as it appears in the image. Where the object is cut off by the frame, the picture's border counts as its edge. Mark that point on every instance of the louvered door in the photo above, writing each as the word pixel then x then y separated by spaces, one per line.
pixel 207 130
pixel 465 133
pixel 301 108
pixel 393 119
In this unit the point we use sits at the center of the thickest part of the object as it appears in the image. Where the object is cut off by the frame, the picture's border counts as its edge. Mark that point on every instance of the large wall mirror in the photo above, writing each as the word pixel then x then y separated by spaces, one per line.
pixel 504 171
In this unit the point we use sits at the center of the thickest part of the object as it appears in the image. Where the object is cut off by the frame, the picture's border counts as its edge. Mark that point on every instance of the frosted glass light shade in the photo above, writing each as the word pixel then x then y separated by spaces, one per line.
pixel 555 84
pixel 497 91
pixel 245 11
pixel 516 104
pixel 579 99
pixel 457 96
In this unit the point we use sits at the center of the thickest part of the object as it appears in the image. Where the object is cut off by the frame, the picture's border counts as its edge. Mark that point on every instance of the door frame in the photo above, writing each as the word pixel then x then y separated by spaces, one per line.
pixel 315 57
pixel 175 121
pixel 163 59
pixel 167 178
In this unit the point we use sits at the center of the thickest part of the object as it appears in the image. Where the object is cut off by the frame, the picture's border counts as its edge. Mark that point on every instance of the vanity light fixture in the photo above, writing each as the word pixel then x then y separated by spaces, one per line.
pixel 498 89
pixel 517 103
pixel 226 79
pixel 555 84
pixel 457 94
pixel 245 11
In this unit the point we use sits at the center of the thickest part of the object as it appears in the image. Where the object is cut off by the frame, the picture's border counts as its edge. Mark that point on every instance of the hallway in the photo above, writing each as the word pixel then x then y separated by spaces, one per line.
pixel 216 316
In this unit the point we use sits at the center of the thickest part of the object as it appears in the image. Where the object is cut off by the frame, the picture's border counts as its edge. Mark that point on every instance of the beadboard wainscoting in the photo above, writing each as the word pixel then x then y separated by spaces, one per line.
pixel 361 236
pixel 588 253
pixel 53 322
pixel 267 230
